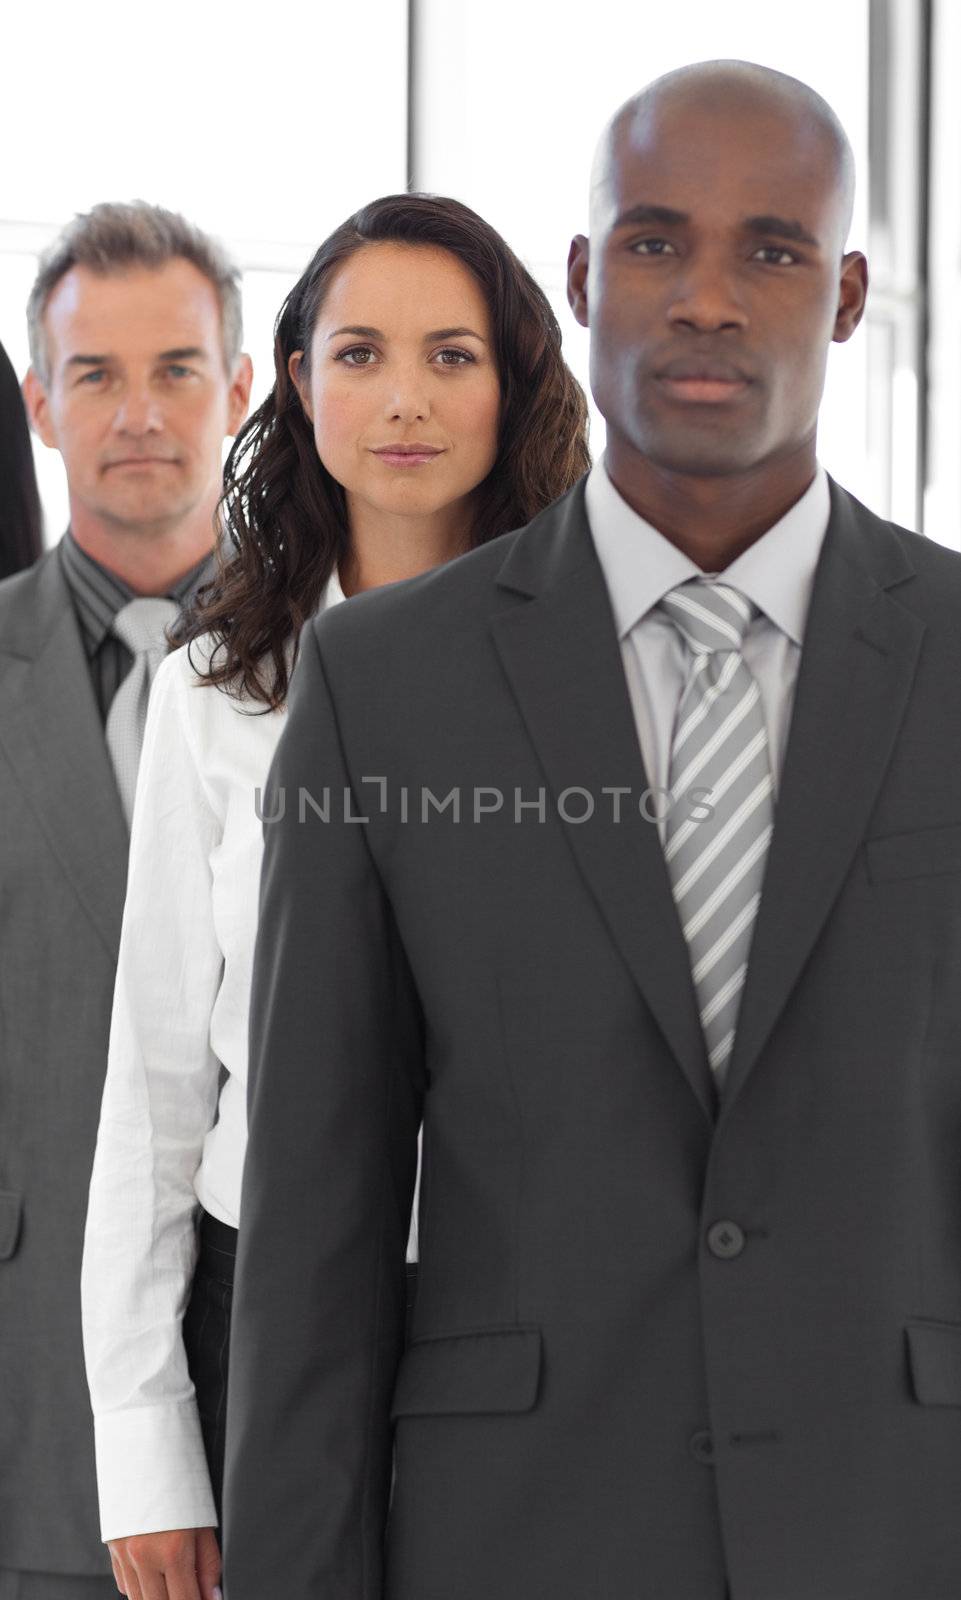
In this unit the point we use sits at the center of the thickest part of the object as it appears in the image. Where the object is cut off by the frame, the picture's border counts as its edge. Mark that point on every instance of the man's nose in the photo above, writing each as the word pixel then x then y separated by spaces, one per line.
pixel 139 411
pixel 707 299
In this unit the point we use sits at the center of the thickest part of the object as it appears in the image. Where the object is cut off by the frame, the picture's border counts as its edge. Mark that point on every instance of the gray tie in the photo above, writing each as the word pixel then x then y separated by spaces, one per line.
pixel 140 626
pixel 716 865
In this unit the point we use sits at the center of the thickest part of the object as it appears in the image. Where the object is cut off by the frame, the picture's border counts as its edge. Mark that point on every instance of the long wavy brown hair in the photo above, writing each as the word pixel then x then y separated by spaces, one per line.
pixel 284 516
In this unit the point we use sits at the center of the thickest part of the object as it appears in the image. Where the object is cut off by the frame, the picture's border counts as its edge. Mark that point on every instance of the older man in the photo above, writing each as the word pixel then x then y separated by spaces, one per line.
pixel 677 999
pixel 136 378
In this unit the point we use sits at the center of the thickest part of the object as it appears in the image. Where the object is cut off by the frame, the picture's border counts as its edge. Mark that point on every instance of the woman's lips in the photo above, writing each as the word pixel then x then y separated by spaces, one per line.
pixel 407 458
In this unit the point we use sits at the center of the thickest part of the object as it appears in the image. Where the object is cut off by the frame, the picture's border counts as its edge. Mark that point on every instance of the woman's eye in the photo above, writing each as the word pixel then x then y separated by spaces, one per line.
pixel 359 355
pixel 458 358
pixel 652 247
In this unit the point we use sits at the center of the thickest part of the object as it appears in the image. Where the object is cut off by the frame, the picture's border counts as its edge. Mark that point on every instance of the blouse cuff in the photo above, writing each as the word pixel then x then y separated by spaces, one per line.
pixel 152 1471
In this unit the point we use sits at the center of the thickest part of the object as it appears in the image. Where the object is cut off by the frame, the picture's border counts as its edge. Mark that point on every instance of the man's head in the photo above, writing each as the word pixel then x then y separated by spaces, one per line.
pixel 136 374
pixel 715 277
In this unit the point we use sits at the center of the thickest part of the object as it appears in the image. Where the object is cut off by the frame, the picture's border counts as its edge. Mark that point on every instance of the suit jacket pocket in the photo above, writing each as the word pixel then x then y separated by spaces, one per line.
pixel 926 852
pixel 11 1206
pixel 935 1355
pixel 491 1370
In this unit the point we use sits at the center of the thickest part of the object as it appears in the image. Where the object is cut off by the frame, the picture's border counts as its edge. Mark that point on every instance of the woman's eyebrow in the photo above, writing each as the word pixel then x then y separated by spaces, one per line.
pixel 454 333
pixel 361 332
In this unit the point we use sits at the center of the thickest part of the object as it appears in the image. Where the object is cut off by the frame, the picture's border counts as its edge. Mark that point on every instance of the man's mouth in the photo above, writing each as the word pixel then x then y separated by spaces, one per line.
pixel 694 380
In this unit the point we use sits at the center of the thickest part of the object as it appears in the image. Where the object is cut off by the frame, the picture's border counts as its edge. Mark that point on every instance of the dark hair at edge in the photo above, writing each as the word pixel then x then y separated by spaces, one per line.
pixel 21 522
pixel 284 516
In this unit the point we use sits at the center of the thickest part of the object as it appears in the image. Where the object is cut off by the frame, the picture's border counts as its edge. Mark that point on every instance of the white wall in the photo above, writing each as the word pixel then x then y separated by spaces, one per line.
pixel 943 497
pixel 267 124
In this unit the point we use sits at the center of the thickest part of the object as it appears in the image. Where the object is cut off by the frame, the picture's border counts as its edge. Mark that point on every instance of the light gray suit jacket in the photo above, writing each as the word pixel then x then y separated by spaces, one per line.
pixel 63 861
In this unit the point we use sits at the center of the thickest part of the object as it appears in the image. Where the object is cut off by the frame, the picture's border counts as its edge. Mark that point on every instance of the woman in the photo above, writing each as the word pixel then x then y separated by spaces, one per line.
pixel 420 406
pixel 21 542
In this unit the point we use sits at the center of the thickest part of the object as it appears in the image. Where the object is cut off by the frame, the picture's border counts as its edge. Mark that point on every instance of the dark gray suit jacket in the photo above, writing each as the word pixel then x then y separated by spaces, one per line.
pixel 63 862
pixel 660 1346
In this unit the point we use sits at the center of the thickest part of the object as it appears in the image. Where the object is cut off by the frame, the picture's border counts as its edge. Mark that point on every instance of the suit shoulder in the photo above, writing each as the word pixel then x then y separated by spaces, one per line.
pixel 920 573
pixel 441 600
pixel 21 589
pixel 928 555
pixel 925 553
pixel 933 587
pixel 33 604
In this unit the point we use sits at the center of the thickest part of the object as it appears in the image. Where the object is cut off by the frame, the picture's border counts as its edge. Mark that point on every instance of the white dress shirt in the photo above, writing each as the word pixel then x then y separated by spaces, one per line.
pixel 640 566
pixel 167 1139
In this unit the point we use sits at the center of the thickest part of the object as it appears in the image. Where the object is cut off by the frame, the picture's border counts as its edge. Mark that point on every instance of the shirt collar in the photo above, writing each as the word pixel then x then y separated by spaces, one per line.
pixel 640 565
pixel 332 592
pixel 98 594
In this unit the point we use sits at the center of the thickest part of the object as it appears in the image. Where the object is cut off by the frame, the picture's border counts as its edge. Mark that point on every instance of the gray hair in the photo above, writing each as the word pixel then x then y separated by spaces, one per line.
pixel 115 235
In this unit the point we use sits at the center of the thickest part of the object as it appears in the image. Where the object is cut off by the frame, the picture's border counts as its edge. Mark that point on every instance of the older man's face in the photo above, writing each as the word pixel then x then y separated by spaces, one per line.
pixel 138 397
pixel 714 286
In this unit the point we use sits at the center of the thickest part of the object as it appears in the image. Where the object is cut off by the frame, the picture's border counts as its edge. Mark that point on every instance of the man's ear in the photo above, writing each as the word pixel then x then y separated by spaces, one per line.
pixel 239 393
pixel 577 260
pixel 38 408
pixel 852 294
pixel 295 364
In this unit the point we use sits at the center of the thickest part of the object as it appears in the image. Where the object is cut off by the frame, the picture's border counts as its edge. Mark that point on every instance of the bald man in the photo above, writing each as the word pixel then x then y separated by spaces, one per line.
pixel 654 920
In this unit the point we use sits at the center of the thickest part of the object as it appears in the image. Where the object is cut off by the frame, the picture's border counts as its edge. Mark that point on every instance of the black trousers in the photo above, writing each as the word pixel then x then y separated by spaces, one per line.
pixel 207 1338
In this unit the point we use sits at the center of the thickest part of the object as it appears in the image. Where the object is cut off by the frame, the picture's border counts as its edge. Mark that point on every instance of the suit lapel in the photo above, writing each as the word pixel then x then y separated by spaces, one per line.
pixel 562 658
pixel 857 666
pixel 53 739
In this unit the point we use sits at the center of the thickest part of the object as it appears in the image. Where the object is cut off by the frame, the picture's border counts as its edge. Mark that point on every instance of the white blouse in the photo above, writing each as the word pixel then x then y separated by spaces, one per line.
pixel 167 1139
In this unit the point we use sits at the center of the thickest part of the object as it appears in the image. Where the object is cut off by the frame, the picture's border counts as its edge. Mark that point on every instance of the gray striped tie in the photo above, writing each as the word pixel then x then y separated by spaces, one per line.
pixel 716 865
pixel 140 625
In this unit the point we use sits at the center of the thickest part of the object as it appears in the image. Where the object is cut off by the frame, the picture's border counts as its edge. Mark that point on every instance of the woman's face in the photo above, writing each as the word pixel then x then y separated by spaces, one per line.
pixel 401 387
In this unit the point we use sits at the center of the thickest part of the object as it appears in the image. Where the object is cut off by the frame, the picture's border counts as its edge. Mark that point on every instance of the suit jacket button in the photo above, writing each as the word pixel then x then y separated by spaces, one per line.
pixel 725 1240
pixel 701 1445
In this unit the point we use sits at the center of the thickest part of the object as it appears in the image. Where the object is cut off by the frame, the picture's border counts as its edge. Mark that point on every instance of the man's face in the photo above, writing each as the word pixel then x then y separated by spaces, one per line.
pixel 715 286
pixel 137 398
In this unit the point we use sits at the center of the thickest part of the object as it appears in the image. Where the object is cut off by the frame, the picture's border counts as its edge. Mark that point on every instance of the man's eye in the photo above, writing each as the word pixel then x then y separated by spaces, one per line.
pixel 93 377
pixel 357 355
pixel 776 256
pixel 653 247
pixel 175 370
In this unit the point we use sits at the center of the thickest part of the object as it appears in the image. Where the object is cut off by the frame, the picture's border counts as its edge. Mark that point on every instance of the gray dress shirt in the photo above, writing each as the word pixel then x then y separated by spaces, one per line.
pixel 640 566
